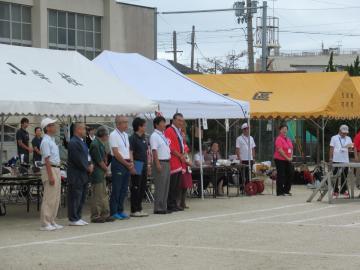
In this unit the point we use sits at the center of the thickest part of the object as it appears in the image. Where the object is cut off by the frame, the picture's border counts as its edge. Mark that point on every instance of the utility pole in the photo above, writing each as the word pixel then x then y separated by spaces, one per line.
pixel 175 46
pixel 192 47
pixel 264 38
pixel 174 51
pixel 250 38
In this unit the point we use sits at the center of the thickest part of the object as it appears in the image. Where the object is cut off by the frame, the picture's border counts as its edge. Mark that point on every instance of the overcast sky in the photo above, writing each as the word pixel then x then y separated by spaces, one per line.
pixel 330 17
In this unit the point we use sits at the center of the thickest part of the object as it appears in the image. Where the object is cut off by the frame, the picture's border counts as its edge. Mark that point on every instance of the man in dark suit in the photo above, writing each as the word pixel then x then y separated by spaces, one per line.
pixel 77 174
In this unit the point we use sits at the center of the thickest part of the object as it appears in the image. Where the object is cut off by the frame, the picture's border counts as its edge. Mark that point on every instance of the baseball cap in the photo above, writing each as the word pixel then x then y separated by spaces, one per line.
pixel 344 129
pixel 244 126
pixel 47 121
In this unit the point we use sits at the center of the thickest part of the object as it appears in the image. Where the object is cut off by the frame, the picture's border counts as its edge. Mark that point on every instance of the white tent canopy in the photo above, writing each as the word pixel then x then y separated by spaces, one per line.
pixel 62 83
pixel 170 89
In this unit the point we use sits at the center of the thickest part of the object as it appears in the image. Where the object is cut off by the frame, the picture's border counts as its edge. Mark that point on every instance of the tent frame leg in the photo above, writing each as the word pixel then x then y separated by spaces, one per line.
pixel 201 163
pixel 3 121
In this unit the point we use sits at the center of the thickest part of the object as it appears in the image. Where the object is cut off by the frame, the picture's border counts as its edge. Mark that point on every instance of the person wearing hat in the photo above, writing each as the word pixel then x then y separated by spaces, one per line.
pixel 244 154
pixel 50 176
pixel 339 153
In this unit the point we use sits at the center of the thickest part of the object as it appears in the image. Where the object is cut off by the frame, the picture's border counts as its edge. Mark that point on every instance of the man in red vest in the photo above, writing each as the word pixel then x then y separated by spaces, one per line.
pixel 173 134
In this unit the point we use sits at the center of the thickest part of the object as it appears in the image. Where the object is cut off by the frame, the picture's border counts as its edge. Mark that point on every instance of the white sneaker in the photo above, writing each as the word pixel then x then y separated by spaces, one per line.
pixel 47 228
pixel 57 226
pixel 84 222
pixel 139 214
pixel 144 214
pixel 76 223
pixel 136 214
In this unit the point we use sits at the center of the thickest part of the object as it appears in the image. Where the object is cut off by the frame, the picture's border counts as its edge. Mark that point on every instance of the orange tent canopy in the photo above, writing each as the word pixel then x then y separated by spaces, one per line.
pixel 290 95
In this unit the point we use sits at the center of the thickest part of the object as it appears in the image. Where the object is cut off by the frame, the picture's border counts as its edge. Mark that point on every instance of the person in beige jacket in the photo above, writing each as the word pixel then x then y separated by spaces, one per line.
pixel 50 176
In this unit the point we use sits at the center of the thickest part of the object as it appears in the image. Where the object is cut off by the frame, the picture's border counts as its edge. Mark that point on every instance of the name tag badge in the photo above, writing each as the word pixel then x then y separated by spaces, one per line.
pixel 289 151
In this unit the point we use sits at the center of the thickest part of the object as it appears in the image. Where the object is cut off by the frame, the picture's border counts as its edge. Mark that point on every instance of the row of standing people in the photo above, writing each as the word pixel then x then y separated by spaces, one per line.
pixel 129 160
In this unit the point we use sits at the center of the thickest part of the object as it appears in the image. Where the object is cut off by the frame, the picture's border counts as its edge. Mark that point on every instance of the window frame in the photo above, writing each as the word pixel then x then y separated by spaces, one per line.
pixel 22 22
pixel 88 51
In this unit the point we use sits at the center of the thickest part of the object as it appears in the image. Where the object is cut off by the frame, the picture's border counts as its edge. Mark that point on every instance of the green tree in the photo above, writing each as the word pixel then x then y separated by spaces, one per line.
pixel 331 67
pixel 354 69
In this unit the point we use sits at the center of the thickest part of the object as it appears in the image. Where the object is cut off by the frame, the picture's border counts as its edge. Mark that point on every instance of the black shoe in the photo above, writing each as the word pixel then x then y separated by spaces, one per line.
pixel 161 212
pixel 282 194
pixel 173 209
pixel 110 219
pixel 180 208
pixel 98 220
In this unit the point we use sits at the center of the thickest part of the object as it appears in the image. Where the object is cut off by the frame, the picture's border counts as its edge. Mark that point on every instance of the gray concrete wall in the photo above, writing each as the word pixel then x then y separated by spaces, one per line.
pixel 129 28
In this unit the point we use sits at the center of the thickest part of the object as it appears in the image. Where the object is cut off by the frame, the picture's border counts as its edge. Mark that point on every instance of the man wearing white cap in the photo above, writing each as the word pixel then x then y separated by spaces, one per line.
pixel 243 153
pixel 339 153
pixel 50 175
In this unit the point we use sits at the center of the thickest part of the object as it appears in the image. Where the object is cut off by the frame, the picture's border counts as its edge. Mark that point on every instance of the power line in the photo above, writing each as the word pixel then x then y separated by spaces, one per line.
pixel 329 2
pixel 320 33
pixel 283 31
pixel 317 9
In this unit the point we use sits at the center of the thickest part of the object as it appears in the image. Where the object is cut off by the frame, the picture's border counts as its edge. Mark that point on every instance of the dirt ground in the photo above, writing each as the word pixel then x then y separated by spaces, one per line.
pixel 261 232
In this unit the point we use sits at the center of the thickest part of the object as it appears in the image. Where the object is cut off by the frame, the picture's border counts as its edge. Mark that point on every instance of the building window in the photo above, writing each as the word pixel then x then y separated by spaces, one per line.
pixel 10 133
pixel 15 24
pixel 72 31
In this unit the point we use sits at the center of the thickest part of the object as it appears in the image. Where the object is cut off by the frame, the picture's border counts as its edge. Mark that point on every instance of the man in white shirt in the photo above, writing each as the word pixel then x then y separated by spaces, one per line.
pixel 121 167
pixel 50 176
pixel 161 169
pixel 339 153
pixel 242 150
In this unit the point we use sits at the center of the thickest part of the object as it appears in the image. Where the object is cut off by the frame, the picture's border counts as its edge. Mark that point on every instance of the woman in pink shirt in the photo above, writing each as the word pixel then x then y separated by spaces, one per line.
pixel 283 157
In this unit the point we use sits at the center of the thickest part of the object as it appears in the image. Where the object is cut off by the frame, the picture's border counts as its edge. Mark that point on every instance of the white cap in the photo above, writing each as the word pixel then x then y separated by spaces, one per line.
pixel 344 129
pixel 47 121
pixel 244 126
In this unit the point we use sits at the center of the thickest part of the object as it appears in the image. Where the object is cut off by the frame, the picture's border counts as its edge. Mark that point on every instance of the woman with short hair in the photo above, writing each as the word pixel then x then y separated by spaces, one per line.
pixel 283 158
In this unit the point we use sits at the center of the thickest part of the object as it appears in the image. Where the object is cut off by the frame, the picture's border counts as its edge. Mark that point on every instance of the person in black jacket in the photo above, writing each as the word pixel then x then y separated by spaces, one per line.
pixel 77 174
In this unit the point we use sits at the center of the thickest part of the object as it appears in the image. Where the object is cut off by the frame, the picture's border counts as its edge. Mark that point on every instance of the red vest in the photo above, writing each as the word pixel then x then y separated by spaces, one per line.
pixel 175 162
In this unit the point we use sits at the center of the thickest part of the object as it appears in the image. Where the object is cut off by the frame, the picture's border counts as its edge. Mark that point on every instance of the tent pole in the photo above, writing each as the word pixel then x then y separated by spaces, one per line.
pixel 249 149
pixel 201 163
pixel 193 137
pixel 323 138
pixel 226 141
pixel 2 143
pixel 260 147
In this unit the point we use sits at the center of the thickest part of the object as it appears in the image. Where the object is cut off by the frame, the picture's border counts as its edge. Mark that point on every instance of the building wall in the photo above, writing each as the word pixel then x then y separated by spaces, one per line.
pixel 125 27
pixel 129 28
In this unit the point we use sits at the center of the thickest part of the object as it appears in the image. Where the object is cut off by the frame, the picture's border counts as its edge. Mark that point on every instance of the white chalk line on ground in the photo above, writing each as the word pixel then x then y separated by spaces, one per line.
pixel 34 243
pixel 349 226
pixel 209 248
pixel 285 214
pixel 324 217
pixel 253 211
pixel 357 224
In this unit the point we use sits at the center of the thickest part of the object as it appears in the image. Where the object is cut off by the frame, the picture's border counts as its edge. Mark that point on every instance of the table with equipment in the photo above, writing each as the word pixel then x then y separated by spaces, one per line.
pixel 20 186
pixel 326 186
pixel 214 172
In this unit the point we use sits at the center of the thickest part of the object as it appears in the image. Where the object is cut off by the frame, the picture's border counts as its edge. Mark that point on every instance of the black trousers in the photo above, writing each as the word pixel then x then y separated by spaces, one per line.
pixel 137 189
pixel 76 199
pixel 173 190
pixel 246 170
pixel 343 183
pixel 284 176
